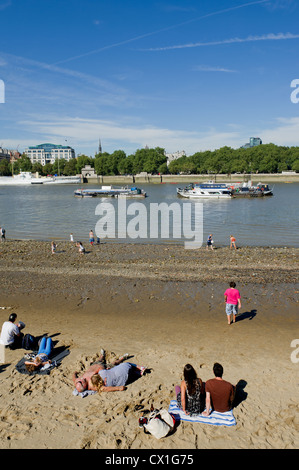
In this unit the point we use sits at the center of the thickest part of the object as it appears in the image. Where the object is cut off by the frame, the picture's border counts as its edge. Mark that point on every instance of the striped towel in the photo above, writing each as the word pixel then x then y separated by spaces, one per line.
pixel 215 418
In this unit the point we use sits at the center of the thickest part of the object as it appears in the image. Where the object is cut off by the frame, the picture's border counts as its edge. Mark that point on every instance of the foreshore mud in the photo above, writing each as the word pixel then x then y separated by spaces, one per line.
pixel 163 305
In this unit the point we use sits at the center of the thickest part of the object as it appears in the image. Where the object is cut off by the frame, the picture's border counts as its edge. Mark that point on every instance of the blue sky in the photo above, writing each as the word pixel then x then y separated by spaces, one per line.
pixel 185 75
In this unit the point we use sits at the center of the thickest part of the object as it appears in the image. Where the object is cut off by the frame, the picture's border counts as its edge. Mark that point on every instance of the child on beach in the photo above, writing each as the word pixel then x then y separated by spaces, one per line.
pixel 232 299
pixel 189 394
pixel 91 237
pixel 210 241
pixel 53 248
pixel 81 248
pixel 232 242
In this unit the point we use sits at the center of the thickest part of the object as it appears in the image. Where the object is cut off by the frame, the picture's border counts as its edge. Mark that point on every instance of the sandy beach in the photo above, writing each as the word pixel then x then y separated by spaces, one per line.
pixel 164 306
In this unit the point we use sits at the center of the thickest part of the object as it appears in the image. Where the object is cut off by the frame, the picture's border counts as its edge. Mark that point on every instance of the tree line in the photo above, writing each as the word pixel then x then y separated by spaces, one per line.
pixel 265 158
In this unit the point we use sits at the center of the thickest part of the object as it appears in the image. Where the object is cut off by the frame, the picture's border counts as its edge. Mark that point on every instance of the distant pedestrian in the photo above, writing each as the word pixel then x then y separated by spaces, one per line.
pixel 98 240
pixel 2 232
pixel 53 248
pixel 210 242
pixel 71 237
pixel 232 242
pixel 81 248
pixel 232 298
pixel 91 237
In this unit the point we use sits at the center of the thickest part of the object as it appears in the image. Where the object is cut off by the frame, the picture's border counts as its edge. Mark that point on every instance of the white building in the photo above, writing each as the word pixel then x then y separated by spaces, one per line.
pixel 174 156
pixel 48 153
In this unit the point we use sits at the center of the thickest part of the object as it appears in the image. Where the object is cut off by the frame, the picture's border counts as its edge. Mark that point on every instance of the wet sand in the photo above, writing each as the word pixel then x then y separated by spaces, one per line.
pixel 164 306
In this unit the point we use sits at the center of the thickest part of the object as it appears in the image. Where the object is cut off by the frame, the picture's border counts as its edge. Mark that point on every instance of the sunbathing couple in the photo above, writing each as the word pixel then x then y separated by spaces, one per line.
pixel 103 377
pixel 193 396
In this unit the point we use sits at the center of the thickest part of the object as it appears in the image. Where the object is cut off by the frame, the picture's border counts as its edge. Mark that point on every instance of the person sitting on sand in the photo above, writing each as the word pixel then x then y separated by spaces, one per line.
pixel 115 379
pixel 189 394
pixel 83 382
pixel 219 393
pixel 81 248
pixel 42 357
pixel 11 335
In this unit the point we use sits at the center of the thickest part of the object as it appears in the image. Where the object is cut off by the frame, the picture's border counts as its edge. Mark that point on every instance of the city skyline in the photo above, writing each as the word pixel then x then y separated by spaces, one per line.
pixel 185 76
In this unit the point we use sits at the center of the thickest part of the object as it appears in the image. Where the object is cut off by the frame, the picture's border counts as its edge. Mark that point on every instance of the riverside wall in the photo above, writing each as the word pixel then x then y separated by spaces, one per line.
pixel 185 179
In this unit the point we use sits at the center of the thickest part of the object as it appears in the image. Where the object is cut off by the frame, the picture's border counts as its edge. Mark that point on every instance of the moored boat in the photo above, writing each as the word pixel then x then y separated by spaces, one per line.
pixel 109 191
pixel 248 190
pixel 208 190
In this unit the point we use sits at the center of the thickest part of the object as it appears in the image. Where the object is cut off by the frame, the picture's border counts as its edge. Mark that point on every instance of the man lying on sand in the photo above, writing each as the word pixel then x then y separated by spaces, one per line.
pixel 84 381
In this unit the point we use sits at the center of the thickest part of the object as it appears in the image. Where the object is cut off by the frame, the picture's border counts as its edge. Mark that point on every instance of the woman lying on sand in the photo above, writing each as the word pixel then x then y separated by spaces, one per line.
pixel 116 379
pixel 42 357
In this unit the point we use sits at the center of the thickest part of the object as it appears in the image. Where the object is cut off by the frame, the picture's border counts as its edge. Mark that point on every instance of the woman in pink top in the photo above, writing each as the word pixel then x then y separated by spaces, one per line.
pixel 232 299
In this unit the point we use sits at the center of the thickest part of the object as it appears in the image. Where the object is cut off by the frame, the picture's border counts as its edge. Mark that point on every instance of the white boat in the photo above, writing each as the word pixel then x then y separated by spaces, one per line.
pixel 61 180
pixel 208 190
pixel 109 191
pixel 24 178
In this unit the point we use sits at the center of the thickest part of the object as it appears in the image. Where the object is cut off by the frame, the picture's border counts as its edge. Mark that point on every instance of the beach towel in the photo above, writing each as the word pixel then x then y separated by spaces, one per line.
pixel 56 359
pixel 215 418
pixel 84 394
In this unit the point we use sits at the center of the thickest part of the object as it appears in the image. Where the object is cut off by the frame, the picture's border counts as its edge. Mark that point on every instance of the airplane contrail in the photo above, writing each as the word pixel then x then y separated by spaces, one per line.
pixel 127 41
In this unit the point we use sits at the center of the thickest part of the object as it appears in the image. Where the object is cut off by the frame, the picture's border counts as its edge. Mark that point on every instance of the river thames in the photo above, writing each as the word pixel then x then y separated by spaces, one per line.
pixel 51 212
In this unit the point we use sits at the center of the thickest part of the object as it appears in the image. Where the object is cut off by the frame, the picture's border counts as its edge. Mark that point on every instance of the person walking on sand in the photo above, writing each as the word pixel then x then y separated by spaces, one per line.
pixel 232 299
pixel 219 393
pixel 232 242
pixel 91 237
pixel 71 238
pixel 210 242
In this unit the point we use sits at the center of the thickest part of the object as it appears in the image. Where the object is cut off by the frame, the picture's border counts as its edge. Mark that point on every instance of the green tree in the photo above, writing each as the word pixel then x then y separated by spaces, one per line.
pixel 5 167
pixel 48 169
pixel 295 166
pixel 83 160
pixel 37 168
pixel 70 168
pixel 58 166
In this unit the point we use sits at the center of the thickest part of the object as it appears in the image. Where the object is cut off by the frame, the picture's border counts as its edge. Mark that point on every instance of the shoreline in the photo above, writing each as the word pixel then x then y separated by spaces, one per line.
pixel 164 306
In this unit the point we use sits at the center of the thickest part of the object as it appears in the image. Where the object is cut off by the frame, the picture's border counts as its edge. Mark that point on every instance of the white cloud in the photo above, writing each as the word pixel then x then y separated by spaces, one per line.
pixel 285 132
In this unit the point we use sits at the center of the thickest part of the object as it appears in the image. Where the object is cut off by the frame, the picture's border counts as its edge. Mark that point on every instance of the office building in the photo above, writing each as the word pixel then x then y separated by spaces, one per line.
pixel 253 142
pixel 48 153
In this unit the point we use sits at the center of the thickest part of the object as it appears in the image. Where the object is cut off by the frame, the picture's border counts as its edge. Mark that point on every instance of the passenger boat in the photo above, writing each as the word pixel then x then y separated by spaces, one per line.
pixel 109 191
pixel 208 190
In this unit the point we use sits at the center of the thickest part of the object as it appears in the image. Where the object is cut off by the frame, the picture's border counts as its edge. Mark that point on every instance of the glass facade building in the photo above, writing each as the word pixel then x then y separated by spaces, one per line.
pixel 48 153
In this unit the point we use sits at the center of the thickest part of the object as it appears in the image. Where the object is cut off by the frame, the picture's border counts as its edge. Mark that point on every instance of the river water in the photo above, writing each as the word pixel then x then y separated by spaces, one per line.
pixel 51 212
